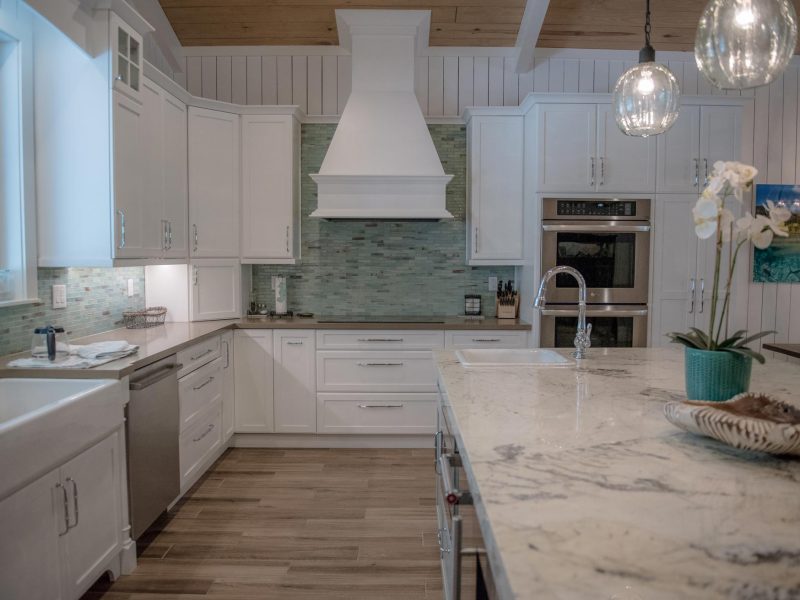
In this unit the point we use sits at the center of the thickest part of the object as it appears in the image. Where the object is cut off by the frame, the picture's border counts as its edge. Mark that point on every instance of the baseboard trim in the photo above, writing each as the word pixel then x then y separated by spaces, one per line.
pixel 287 440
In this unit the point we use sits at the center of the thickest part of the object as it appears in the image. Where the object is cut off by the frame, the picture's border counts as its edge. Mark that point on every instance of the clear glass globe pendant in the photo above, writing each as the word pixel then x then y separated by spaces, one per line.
pixel 742 44
pixel 647 97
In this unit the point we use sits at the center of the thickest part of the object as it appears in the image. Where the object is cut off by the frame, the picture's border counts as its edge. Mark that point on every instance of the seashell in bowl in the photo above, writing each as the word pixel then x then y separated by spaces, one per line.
pixel 748 421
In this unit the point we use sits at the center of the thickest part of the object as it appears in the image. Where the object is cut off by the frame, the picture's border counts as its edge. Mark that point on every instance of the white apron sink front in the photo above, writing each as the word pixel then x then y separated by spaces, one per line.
pixel 518 357
pixel 44 422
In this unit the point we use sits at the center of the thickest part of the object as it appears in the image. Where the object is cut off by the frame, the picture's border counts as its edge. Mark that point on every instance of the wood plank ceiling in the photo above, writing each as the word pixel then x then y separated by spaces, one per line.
pixel 612 24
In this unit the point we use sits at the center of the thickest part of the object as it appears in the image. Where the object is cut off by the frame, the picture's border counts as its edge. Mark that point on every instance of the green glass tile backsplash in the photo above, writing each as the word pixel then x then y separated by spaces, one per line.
pixel 382 267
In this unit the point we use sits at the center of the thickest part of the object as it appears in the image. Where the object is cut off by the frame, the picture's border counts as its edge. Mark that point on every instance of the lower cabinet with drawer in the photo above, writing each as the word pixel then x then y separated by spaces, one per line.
pixel 199 445
pixel 199 390
pixel 376 413
pixel 381 371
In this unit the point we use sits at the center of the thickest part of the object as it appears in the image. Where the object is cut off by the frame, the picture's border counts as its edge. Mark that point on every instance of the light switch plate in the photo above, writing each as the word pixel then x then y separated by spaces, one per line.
pixel 131 289
pixel 59 296
pixel 492 284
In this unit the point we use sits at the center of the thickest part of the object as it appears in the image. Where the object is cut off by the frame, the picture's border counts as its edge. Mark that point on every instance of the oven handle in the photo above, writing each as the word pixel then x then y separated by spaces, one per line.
pixel 616 312
pixel 597 227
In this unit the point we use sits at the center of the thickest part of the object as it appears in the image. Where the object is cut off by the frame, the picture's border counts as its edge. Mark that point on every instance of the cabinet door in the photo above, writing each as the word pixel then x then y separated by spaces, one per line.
pixel 253 373
pixel 213 183
pixel 295 381
pixel 154 230
pixel 567 141
pixel 126 57
pixel 228 387
pixel 720 136
pixel 176 196
pixel 625 163
pixel 269 186
pixel 92 481
pixel 216 290
pixel 132 239
pixel 31 521
pixel 675 282
pixel 496 197
pixel 679 154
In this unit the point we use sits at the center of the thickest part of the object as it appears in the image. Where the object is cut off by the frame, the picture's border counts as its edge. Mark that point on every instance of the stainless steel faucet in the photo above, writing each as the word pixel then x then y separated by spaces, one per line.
pixel 583 335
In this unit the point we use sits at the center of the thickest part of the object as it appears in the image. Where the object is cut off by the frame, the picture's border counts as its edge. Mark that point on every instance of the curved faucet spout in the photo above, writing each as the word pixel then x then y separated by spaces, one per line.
pixel 583 334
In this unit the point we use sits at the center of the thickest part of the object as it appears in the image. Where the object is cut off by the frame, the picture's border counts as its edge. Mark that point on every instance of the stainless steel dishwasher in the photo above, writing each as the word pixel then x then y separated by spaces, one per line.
pixel 152 426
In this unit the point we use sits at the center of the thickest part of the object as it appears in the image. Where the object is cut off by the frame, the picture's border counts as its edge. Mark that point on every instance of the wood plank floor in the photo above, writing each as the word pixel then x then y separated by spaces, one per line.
pixel 296 524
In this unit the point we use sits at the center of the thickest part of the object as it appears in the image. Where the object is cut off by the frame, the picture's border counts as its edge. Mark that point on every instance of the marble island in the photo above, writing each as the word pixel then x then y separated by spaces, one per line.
pixel 584 490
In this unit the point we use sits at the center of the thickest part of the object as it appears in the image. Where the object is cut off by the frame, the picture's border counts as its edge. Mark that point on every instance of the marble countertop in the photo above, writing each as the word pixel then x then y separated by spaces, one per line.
pixel 584 490
pixel 159 342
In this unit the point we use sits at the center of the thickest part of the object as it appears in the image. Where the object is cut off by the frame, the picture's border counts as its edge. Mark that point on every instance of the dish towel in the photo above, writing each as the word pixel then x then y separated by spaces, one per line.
pixel 81 357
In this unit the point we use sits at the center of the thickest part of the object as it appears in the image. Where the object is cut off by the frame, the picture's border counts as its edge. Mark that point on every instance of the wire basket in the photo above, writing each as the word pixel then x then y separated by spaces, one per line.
pixel 141 319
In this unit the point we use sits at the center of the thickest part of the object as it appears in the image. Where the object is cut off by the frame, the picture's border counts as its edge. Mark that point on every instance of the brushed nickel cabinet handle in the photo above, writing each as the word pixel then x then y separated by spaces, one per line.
pixel 204 434
pixel 602 170
pixel 380 339
pixel 702 294
pixel 121 214
pixel 202 354
pixel 380 406
pixel 691 291
pixel 66 509
pixel 486 339
pixel 169 235
pixel 705 162
pixel 74 500
pixel 287 240
pixel 204 384
pixel 591 180
pixel 696 171
pixel 194 225
pixel 380 364
pixel 294 343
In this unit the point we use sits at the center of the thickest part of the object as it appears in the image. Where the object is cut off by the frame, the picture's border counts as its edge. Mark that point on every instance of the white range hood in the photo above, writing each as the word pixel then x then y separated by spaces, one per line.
pixel 381 163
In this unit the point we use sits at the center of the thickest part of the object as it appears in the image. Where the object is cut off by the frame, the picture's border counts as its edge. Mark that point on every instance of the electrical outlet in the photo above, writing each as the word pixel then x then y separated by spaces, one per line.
pixel 60 296
pixel 492 283
pixel 131 288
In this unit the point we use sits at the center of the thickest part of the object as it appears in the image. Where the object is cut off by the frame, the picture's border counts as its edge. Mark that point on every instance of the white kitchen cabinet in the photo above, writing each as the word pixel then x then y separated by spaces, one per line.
pixel 624 163
pixel 295 381
pixel 495 227
pixel 92 480
pixel 213 183
pixel 127 51
pixel 683 270
pixel 199 446
pixel 701 136
pixel 581 149
pixel 174 172
pixel 198 390
pixel 376 413
pixel 216 291
pixel 31 521
pixel 270 189
pixel 228 386
pixel 67 527
pixel 253 388
pixel 567 142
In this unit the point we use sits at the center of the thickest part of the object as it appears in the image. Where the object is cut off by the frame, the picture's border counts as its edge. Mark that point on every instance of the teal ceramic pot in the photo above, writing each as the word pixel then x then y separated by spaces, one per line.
pixel 716 376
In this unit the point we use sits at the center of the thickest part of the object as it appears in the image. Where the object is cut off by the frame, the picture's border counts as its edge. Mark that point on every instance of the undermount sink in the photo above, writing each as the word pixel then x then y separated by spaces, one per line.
pixel 520 357
pixel 45 421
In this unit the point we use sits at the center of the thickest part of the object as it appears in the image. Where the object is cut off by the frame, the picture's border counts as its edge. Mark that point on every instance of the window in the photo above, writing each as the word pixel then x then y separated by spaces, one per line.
pixel 17 201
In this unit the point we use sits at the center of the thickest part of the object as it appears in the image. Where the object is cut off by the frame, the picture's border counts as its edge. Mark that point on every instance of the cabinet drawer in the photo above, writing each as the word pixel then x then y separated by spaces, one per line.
pixel 199 390
pixel 198 443
pixel 197 355
pixel 486 339
pixel 379 340
pixel 376 371
pixel 376 413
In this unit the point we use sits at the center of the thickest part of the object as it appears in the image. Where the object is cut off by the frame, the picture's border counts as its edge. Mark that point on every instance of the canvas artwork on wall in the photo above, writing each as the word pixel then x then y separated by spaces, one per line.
pixel 780 263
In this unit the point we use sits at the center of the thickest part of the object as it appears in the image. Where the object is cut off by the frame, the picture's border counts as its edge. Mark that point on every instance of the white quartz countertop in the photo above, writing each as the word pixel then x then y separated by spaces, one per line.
pixel 584 490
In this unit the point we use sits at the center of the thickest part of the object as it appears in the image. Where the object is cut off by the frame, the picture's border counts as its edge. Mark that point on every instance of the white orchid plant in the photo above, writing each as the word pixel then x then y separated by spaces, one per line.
pixel 712 217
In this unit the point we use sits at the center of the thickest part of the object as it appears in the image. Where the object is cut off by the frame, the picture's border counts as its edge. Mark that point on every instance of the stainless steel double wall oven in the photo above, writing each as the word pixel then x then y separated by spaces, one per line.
pixel 608 241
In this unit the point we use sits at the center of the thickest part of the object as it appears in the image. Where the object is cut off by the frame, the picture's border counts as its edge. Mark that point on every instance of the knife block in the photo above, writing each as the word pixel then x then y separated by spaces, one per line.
pixel 508 311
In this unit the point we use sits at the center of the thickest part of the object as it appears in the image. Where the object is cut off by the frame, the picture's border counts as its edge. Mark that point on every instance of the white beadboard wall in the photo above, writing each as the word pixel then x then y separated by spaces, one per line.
pixel 450 79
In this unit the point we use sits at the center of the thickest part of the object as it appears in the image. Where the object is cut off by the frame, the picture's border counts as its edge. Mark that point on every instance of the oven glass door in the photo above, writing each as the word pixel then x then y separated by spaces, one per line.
pixel 612 327
pixel 613 260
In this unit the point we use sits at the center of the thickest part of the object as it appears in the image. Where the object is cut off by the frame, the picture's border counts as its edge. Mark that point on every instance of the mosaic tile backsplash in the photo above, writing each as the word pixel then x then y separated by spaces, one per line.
pixel 96 299
pixel 382 267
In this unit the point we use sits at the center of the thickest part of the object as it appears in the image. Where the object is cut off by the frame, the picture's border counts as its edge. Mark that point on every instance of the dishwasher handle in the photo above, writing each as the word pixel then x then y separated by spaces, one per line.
pixel 162 373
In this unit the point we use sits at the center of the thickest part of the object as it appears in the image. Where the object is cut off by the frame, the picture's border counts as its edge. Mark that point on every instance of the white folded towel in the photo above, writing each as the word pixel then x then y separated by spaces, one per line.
pixel 116 349
pixel 81 357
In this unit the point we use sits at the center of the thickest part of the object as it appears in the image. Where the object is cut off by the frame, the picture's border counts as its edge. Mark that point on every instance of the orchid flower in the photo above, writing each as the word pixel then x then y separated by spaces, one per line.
pixel 705 213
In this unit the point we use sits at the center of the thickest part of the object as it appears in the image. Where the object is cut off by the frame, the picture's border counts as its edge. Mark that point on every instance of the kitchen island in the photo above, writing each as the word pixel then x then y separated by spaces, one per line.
pixel 584 490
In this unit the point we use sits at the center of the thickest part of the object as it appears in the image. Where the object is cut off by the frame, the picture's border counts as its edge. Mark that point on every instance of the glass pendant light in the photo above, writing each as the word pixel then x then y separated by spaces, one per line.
pixel 745 43
pixel 647 96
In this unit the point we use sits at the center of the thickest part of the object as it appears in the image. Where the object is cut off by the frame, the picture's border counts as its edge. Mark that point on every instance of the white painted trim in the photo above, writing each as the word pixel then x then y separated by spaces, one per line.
pixel 287 440
pixel 124 11
pixel 529 29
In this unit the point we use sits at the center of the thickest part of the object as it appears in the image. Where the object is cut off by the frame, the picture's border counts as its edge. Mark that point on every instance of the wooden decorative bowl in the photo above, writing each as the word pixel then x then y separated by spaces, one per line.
pixel 749 421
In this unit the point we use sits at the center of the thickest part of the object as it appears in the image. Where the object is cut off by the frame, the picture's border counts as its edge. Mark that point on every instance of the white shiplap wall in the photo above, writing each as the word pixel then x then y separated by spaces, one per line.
pixel 448 80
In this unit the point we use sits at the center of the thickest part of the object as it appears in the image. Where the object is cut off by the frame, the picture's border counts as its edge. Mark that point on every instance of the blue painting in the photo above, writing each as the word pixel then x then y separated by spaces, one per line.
pixel 780 263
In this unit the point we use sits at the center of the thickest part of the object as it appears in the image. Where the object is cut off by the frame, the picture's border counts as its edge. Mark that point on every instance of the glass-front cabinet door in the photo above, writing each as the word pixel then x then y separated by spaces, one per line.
pixel 126 57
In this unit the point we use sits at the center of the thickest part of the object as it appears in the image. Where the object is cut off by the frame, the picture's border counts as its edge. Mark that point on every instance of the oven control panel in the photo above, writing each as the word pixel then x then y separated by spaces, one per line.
pixel 596 208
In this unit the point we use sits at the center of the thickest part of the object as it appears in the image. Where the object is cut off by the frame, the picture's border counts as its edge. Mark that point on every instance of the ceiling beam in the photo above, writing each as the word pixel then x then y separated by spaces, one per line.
pixel 529 29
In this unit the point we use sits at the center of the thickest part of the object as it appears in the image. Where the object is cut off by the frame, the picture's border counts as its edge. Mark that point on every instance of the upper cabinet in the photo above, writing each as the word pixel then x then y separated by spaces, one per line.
pixel 213 183
pixel 581 149
pixel 701 136
pixel 495 228
pixel 126 57
pixel 270 189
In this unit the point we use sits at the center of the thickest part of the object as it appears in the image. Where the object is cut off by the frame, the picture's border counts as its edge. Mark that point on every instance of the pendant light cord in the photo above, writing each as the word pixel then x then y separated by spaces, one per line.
pixel 647 25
